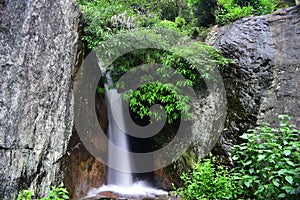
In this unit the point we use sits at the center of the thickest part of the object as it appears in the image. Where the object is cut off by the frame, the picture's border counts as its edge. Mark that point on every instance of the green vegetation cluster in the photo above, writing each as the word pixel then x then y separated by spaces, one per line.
pixel 231 10
pixel 207 181
pixel 174 76
pixel 56 193
pixel 266 166
pixel 107 18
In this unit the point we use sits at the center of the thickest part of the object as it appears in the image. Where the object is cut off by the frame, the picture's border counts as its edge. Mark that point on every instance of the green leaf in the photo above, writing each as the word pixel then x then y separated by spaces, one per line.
pixel 244 136
pixel 282 195
pixel 64 196
pixel 289 179
pixel 248 162
pixel 248 184
pixel 287 152
pixel 275 182
pixel 100 90
pixel 261 157
pixel 290 163
pixel 235 157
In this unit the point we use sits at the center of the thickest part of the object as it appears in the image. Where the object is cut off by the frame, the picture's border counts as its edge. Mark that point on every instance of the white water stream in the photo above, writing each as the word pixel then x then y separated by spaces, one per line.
pixel 118 138
pixel 120 182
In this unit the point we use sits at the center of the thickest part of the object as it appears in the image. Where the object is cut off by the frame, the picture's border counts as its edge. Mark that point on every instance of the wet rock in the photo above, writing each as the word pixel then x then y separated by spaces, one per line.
pixel 117 196
pixel 82 171
pixel 38 53
pixel 247 41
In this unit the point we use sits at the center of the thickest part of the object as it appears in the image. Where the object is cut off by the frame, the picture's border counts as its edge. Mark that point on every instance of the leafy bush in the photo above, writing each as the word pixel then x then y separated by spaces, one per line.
pixel 207 181
pixel 231 10
pixel 166 92
pixel 268 163
pixel 25 195
pixel 56 193
pixel 228 11
pixel 106 17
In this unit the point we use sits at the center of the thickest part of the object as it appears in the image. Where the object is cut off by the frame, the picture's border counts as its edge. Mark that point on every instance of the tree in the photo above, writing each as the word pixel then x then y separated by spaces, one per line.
pixel 203 11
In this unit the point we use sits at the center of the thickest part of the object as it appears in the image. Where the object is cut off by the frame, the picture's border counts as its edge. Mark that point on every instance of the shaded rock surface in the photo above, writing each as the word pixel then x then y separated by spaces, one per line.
pixel 82 171
pixel 262 83
pixel 38 51
pixel 283 96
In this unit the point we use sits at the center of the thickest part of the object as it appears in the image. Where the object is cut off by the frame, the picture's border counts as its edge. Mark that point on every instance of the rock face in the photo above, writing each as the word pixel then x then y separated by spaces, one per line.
pixel 262 83
pixel 38 56
pixel 283 96
pixel 38 50
pixel 249 43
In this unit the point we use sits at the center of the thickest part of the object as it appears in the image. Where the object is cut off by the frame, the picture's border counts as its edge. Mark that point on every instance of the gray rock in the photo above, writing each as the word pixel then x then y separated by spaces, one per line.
pixel 38 50
pixel 247 41
pixel 283 95
pixel 264 81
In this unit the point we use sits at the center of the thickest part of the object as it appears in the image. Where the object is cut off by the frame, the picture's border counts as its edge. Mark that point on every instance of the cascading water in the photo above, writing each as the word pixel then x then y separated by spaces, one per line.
pixel 118 138
pixel 118 182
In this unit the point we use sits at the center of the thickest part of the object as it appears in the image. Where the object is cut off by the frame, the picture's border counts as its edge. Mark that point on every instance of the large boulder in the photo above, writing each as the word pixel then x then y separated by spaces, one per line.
pixel 262 83
pixel 38 54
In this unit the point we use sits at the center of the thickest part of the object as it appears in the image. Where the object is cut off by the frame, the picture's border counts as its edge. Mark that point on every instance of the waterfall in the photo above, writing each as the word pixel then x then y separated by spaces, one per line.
pixel 121 183
pixel 118 138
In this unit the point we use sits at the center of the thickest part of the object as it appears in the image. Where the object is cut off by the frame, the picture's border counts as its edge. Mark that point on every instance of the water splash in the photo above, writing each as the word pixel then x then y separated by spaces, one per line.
pixel 138 190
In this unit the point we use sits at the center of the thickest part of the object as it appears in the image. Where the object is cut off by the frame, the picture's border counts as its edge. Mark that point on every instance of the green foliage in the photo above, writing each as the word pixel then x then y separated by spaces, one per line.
pixel 231 10
pixel 260 7
pixel 192 62
pixel 203 11
pixel 207 181
pixel 107 17
pixel 228 11
pixel 268 163
pixel 56 193
pixel 100 90
pixel 25 195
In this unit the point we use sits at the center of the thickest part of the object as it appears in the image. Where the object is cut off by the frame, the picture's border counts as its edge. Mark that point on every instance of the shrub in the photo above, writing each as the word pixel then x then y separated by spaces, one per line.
pixel 106 17
pixel 228 11
pixel 231 10
pixel 207 181
pixel 268 163
pixel 166 92
pixel 25 195
pixel 56 193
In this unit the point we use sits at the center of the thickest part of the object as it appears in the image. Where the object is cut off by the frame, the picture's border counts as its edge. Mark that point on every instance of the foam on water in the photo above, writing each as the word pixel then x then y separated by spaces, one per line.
pixel 140 188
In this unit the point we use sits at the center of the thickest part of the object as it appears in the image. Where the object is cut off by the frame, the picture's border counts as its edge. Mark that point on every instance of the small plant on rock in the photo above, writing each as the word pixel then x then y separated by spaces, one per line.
pixel 207 181
pixel 56 193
